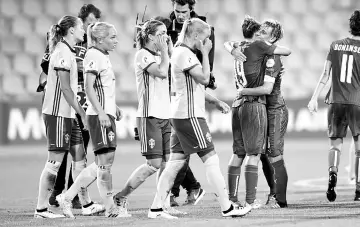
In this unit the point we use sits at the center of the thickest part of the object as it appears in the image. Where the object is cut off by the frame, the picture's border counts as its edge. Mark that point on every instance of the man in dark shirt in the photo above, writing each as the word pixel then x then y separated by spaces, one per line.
pixel 343 61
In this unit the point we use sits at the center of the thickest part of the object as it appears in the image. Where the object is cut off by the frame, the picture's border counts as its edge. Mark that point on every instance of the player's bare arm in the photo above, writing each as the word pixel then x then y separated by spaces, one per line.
pixel 69 95
pixel 281 50
pixel 91 94
pixel 202 74
pixel 324 78
pixel 220 105
pixel 233 48
pixel 161 70
pixel 264 89
pixel 119 113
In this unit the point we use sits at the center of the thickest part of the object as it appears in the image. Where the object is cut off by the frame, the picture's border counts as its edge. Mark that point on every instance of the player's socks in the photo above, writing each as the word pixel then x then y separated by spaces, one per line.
pixel 77 167
pixel 268 173
pixel 281 177
pixel 251 180
pixel 216 180
pixel 47 182
pixel 159 172
pixel 357 177
pixel 233 181
pixel 138 177
pixel 334 159
pixel 166 181
pixel 104 183
pixel 86 177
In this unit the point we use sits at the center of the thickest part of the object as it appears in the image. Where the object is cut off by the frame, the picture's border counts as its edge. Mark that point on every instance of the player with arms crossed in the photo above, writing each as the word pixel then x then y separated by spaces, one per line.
pixel 59 106
pixel 277 113
pixel 151 70
pixel 190 131
pixel 247 111
pixel 343 60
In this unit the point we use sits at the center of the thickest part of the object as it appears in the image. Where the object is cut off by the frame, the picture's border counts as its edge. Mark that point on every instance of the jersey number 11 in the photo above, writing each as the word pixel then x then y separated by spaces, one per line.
pixel 346 68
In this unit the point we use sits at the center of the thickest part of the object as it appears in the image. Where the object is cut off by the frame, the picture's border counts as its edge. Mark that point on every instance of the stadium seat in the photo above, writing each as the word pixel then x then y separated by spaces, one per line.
pixel 315 60
pixel 11 44
pixel 118 61
pixel 73 7
pixel 276 6
pixel 320 6
pixel 303 41
pixel 324 40
pixel 290 22
pixel 313 22
pixel 222 25
pixel 55 8
pixel 10 8
pixel 164 7
pixel 43 24
pixel 34 44
pixel 336 22
pixel 5 63
pixel 21 26
pixel 233 7
pixel 31 83
pixel 139 6
pixel 33 8
pixel 122 8
pixel 23 64
pixel 299 7
pixel 13 84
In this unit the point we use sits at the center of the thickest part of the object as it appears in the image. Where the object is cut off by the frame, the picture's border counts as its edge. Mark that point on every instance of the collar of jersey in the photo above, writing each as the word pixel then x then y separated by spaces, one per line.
pixel 152 52
pixel 102 51
pixel 72 49
pixel 186 46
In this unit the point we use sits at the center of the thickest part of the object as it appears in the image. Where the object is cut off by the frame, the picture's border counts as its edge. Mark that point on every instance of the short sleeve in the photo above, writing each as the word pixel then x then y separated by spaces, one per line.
pixel 330 52
pixel 188 61
pixel 265 48
pixel 144 59
pixel 62 60
pixel 92 63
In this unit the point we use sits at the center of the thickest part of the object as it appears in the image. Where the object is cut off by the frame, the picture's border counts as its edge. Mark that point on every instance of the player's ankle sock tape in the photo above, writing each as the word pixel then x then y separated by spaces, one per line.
pixel 156 210
pixel 89 204
pixel 41 210
pixel 52 167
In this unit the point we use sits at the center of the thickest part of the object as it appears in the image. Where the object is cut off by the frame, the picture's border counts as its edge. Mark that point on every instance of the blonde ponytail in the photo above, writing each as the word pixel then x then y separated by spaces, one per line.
pixel 59 30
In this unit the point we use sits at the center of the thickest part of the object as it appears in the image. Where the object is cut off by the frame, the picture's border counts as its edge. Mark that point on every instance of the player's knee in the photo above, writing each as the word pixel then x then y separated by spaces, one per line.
pixel 212 161
pixel 153 165
pixel 274 159
pixel 252 159
pixel 104 172
pixel 52 166
pixel 334 149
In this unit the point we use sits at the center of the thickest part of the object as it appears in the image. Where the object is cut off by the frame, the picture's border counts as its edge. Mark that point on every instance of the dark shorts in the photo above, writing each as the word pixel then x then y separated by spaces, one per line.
pixel 102 138
pixel 190 136
pixel 154 136
pixel 342 116
pixel 277 124
pixel 249 125
pixel 61 132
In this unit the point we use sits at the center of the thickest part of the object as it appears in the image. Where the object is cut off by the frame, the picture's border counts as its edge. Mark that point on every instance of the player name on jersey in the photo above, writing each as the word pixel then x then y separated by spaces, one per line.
pixel 352 48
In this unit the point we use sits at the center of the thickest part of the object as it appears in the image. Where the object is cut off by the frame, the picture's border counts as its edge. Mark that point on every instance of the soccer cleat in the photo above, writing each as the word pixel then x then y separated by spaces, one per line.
pixel 52 199
pixel 122 205
pixel 65 206
pixel 195 196
pixel 357 195
pixel 45 213
pixel 270 199
pixel 92 209
pixel 256 204
pixel 173 202
pixel 160 214
pixel 237 211
pixel 113 212
pixel 331 193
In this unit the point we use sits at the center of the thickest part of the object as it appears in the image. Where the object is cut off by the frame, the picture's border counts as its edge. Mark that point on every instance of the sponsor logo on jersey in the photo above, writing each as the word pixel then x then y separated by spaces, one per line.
pixel 151 143
pixel 145 60
pixel 91 65
pixel 62 62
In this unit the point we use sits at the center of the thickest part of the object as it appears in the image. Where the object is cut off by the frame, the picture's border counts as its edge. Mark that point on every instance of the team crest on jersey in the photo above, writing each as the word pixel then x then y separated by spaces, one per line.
pixel 208 137
pixel 62 62
pixel 111 135
pixel 270 63
pixel 91 65
pixel 190 60
pixel 151 143
pixel 145 60
pixel 67 138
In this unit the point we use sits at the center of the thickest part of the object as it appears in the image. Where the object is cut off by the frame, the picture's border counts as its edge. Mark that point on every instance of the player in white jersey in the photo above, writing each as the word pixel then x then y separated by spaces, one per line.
pixel 59 106
pixel 151 70
pixel 191 133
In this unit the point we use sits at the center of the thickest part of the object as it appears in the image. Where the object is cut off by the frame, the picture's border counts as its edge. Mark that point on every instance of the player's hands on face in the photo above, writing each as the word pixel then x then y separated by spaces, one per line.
pixel 80 66
pixel 223 107
pixel 104 119
pixel 161 43
pixel 119 114
pixel 238 54
pixel 313 106
pixel 204 46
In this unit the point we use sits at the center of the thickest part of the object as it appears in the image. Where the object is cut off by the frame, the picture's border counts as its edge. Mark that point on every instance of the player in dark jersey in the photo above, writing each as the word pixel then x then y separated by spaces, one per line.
pixel 88 14
pixel 277 112
pixel 343 60
pixel 249 109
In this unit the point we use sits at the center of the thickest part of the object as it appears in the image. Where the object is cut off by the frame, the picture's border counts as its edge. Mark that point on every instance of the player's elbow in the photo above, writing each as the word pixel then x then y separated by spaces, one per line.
pixel 287 52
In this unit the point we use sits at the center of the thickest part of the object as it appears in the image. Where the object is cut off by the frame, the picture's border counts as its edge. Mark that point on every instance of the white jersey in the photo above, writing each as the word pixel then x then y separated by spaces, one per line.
pixel 62 59
pixel 189 96
pixel 98 63
pixel 153 92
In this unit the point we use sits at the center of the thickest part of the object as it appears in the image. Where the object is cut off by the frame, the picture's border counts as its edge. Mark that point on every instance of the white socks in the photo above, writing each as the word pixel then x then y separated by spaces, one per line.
pixel 104 183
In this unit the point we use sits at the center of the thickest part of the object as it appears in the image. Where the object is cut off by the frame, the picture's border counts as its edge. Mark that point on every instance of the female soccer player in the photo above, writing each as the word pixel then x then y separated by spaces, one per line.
pixel 102 109
pixel 59 106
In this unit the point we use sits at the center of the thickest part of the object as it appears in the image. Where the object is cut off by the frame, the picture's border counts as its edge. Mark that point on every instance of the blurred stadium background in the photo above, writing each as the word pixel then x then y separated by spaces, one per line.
pixel 310 26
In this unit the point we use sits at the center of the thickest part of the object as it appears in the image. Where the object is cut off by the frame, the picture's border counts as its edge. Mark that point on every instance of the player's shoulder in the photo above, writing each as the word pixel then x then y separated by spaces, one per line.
pixel 94 54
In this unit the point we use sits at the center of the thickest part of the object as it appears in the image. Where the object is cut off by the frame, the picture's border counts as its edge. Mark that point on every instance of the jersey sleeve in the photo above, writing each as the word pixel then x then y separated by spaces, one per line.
pixel 188 60
pixel 265 48
pixel 62 60
pixel 144 59
pixel 92 63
